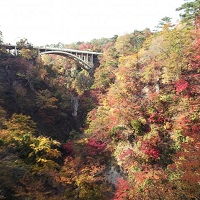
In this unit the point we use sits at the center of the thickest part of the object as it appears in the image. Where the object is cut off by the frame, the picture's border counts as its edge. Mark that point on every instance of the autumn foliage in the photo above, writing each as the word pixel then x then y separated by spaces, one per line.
pixel 136 135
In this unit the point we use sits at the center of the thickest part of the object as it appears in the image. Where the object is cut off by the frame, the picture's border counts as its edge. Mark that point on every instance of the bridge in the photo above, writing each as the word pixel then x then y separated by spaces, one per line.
pixel 87 59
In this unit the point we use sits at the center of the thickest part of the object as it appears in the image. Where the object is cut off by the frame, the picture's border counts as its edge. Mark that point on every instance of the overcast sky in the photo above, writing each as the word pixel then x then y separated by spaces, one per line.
pixel 52 21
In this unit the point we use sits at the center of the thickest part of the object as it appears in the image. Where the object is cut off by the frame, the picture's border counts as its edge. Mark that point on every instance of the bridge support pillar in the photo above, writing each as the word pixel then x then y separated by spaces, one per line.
pixel 92 60
pixel 16 51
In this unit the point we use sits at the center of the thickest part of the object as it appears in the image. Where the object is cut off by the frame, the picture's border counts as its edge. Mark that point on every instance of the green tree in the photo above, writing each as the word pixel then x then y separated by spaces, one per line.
pixel 165 23
pixel 131 43
pixel 26 49
pixel 82 82
pixel 191 12
pixel 22 43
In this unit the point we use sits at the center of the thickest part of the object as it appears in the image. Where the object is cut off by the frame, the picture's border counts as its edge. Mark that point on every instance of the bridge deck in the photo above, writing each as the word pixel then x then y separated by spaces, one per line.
pixel 42 49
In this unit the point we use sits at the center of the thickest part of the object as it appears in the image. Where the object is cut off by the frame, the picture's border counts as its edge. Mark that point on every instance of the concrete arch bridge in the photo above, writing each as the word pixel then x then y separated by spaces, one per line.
pixel 87 59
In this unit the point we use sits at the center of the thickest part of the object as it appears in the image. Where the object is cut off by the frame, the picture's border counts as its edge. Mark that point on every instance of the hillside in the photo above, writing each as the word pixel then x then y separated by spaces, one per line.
pixel 136 132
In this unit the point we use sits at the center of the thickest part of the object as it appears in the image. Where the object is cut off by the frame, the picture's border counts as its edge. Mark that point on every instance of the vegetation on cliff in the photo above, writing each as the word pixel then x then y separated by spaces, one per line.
pixel 136 133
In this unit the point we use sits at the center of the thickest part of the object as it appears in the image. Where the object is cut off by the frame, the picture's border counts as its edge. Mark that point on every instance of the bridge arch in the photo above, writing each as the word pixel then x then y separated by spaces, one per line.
pixel 87 59
pixel 84 64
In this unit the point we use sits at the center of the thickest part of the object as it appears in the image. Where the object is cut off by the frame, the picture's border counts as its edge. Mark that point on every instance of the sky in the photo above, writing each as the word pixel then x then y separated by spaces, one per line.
pixel 45 22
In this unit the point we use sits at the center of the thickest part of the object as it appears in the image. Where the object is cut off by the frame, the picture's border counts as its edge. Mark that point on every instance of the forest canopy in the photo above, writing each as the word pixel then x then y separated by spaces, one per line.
pixel 136 131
